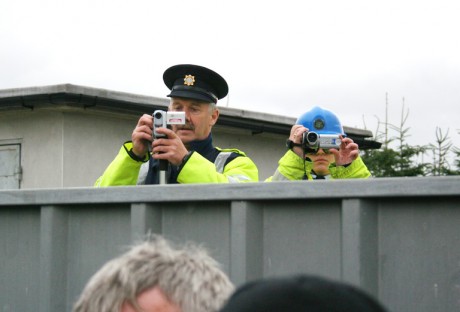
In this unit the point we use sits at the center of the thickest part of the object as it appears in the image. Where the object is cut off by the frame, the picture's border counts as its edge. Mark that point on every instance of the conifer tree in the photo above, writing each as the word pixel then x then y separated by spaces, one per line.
pixel 440 150
pixel 389 162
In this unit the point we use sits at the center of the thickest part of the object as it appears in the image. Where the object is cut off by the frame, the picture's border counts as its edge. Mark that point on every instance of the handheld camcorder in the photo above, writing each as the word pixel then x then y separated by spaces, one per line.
pixel 163 119
pixel 312 141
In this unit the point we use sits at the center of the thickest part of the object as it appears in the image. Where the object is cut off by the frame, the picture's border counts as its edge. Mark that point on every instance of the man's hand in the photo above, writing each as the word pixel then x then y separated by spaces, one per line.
pixel 295 136
pixel 142 135
pixel 171 148
pixel 348 152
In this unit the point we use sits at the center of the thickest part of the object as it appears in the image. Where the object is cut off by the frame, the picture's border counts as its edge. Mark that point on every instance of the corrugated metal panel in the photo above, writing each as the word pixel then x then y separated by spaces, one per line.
pixel 396 238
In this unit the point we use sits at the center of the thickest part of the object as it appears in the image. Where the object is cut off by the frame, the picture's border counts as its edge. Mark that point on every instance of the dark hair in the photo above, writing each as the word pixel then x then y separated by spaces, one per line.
pixel 300 293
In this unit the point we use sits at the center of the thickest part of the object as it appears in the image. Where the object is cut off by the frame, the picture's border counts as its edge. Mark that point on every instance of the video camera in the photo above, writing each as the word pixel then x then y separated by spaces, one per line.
pixel 163 119
pixel 312 141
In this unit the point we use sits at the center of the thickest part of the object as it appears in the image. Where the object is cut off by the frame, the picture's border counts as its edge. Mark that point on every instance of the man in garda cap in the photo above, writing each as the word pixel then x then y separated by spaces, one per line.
pixel 187 148
pixel 318 149
pixel 300 293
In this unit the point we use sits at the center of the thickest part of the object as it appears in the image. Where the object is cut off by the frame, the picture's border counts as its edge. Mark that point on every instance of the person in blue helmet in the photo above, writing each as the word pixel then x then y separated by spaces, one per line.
pixel 339 159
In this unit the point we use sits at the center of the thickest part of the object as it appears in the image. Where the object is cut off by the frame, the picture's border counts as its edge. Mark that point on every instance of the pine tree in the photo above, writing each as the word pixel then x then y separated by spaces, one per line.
pixel 440 150
pixel 406 164
pixel 388 162
pixel 456 151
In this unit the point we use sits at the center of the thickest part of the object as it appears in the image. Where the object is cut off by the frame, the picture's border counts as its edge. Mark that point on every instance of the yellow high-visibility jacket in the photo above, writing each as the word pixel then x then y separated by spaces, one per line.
pixel 216 166
pixel 291 167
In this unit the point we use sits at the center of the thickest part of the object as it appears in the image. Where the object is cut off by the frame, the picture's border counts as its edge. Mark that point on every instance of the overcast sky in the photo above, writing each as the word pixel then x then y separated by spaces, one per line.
pixel 279 57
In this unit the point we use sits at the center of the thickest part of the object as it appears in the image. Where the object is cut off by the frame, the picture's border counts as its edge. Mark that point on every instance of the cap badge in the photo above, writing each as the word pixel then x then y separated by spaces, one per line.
pixel 189 80
pixel 318 124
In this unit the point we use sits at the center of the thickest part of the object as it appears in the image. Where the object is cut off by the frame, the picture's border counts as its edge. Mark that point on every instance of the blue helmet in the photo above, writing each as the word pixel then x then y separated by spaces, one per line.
pixel 321 121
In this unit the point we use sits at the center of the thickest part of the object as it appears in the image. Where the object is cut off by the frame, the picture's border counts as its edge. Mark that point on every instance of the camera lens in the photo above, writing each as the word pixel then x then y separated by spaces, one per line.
pixel 312 137
pixel 158 115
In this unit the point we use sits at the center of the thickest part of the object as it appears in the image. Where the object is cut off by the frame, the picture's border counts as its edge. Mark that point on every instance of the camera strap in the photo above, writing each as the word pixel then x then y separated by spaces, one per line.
pixel 290 144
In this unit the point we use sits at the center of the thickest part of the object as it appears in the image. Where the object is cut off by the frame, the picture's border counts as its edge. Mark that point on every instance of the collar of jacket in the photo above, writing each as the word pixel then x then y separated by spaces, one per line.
pixel 319 177
pixel 203 147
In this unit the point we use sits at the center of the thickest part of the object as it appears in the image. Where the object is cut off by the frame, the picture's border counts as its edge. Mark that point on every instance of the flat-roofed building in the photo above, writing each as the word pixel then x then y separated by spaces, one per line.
pixel 66 135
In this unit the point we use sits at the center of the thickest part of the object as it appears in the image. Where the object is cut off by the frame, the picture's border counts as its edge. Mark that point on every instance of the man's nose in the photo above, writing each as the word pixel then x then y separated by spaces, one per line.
pixel 187 114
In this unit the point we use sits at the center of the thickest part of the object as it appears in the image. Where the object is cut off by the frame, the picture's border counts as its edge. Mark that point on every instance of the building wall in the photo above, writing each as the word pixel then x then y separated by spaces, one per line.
pixel 40 135
pixel 71 147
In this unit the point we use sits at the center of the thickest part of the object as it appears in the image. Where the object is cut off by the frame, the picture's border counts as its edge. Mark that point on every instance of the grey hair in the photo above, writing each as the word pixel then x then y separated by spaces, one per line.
pixel 212 107
pixel 188 277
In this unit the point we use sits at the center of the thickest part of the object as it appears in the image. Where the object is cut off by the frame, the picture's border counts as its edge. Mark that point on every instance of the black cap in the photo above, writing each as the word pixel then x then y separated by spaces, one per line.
pixel 301 293
pixel 195 82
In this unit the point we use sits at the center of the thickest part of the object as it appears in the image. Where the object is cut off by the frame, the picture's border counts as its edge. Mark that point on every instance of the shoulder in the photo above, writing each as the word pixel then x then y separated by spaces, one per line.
pixel 231 150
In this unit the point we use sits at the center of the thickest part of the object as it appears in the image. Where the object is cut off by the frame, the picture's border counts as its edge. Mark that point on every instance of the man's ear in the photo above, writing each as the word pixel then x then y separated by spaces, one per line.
pixel 214 117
